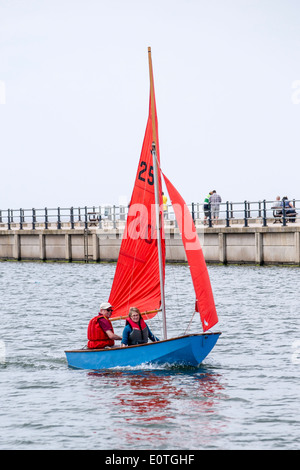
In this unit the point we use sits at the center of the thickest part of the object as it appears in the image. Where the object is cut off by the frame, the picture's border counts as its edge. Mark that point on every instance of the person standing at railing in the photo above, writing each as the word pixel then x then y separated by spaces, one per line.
pixel 206 206
pixel 215 201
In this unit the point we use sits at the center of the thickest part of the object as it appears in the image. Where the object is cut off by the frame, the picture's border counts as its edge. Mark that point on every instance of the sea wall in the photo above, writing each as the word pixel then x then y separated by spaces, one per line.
pixel 274 244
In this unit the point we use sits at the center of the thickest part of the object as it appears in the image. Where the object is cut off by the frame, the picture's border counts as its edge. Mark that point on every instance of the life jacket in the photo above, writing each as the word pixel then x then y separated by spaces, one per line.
pixel 139 333
pixel 97 338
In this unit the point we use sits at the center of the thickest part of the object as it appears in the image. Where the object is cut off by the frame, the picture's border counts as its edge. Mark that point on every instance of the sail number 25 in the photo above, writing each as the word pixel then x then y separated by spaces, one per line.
pixel 143 173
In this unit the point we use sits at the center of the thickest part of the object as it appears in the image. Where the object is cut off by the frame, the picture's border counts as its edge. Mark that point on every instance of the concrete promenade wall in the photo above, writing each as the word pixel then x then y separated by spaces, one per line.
pixel 274 244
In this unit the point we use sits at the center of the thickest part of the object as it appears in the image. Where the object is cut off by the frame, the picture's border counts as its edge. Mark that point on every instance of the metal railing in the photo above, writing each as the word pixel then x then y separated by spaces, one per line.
pixel 246 212
pixel 228 213
pixel 59 217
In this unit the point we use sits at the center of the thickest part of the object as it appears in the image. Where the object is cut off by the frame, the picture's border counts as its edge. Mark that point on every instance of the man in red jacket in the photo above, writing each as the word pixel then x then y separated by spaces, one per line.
pixel 100 330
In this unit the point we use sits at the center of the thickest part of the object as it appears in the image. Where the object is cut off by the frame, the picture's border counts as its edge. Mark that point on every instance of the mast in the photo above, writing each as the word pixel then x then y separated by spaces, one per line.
pixel 156 192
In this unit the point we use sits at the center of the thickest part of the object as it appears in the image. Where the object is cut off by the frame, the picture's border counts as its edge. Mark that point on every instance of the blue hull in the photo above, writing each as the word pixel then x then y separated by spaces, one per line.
pixel 188 350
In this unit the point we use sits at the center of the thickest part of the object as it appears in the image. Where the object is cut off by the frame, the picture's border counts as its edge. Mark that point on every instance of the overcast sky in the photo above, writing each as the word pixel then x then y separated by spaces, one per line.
pixel 74 93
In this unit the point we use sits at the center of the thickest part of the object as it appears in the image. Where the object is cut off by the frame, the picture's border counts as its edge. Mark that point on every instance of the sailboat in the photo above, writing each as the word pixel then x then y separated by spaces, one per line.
pixel 140 272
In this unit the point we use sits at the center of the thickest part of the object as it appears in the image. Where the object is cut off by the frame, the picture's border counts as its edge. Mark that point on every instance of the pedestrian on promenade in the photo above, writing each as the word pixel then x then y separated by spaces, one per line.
pixel 215 201
pixel 206 206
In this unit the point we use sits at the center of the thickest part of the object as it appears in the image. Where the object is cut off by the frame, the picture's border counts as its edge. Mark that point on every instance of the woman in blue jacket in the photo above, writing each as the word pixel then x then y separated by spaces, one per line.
pixel 136 330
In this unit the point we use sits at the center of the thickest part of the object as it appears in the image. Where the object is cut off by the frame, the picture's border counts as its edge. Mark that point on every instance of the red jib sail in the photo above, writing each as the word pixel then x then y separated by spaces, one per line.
pixel 136 282
pixel 205 304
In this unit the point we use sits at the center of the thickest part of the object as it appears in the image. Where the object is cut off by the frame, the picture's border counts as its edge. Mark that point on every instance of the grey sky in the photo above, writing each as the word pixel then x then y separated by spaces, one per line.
pixel 76 85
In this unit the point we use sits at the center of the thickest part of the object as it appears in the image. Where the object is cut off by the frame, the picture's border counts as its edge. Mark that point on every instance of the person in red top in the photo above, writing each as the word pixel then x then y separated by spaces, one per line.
pixel 100 330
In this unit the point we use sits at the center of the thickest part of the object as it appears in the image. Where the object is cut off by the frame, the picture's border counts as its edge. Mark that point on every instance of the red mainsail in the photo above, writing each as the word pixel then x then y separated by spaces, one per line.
pixel 205 304
pixel 136 282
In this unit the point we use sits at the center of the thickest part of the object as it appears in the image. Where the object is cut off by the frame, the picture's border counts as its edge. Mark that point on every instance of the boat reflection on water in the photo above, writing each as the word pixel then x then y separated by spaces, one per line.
pixel 154 404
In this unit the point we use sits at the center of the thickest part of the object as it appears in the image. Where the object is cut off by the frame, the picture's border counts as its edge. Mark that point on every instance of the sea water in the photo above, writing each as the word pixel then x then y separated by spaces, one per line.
pixel 244 396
